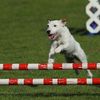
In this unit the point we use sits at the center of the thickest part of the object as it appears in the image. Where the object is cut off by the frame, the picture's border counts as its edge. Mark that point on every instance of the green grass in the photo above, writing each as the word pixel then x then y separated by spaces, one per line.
pixel 23 40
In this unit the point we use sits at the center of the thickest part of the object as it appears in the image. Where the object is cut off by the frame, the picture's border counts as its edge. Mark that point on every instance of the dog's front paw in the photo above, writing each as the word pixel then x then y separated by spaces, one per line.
pixel 50 61
pixel 58 50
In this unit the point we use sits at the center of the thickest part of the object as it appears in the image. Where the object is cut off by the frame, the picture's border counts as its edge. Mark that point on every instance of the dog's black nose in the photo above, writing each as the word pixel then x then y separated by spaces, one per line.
pixel 48 31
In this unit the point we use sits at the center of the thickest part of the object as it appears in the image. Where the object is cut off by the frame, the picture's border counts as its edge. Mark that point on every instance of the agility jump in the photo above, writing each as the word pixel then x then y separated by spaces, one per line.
pixel 51 81
pixel 63 66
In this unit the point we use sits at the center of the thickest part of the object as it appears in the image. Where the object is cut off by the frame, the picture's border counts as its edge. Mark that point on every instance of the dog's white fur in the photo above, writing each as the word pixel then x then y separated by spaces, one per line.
pixel 63 40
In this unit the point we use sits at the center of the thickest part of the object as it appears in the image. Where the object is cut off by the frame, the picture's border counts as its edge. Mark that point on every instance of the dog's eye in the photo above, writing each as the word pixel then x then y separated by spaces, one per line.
pixel 47 25
pixel 55 25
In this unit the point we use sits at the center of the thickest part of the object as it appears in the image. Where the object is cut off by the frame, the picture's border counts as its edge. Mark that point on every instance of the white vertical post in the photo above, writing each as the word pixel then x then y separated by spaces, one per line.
pixel 93 11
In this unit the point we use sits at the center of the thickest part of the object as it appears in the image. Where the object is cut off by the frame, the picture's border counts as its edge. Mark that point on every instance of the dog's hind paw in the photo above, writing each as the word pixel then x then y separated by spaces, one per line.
pixel 50 61
pixel 90 75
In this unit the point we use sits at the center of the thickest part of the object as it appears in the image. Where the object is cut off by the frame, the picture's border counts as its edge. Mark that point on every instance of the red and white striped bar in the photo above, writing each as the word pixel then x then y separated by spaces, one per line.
pixel 63 66
pixel 51 81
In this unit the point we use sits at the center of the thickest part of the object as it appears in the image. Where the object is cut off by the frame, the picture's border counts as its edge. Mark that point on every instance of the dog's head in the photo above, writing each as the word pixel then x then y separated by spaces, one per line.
pixel 54 27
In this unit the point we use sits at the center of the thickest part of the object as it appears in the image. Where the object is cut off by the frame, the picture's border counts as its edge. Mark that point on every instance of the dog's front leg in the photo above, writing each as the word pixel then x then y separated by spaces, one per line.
pixel 61 48
pixel 52 52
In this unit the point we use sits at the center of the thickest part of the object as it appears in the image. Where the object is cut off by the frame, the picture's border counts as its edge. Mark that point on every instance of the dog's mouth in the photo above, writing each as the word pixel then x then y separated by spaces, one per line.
pixel 52 36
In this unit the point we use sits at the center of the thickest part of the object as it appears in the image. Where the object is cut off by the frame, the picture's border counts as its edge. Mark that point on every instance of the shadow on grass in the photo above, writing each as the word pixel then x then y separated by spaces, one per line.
pixel 80 31
pixel 50 94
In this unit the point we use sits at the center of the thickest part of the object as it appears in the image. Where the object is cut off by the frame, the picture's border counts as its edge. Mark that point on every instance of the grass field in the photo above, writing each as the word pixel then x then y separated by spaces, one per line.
pixel 23 40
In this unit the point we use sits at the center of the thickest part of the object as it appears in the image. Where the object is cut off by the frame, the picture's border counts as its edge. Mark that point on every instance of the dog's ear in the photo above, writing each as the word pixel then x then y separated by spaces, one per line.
pixel 63 21
pixel 49 20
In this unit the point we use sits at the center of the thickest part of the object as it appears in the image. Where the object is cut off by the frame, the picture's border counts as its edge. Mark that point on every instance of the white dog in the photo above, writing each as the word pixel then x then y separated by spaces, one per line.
pixel 63 41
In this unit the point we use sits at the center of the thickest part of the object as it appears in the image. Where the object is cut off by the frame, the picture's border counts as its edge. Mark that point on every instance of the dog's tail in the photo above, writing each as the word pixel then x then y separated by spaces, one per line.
pixel 77 72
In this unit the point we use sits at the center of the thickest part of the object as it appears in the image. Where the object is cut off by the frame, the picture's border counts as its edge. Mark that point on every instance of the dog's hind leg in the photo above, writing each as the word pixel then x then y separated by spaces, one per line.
pixel 71 59
pixel 76 60
pixel 84 60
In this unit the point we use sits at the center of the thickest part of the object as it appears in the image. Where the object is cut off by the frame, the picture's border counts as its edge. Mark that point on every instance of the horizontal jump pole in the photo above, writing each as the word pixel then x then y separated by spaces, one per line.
pixel 50 81
pixel 63 66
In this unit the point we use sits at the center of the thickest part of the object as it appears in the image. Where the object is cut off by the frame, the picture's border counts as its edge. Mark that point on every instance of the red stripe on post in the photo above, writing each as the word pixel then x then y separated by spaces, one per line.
pixel 47 81
pixel 96 81
pixel 13 81
pixel 42 66
pixel 57 66
pixel 28 81
pixel 7 66
pixel 77 66
pixel 92 65
pixel 62 81
pixel 82 81
pixel 23 66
